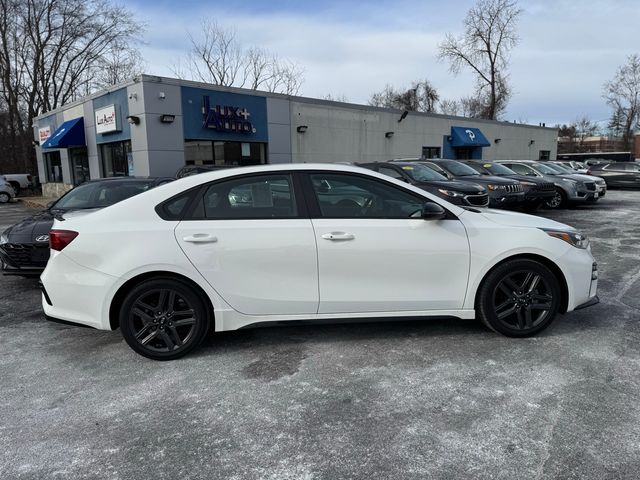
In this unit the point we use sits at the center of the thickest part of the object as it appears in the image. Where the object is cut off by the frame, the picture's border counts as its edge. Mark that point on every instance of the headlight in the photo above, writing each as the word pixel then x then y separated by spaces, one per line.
pixel 568 180
pixel 528 184
pixel 3 239
pixel 576 239
pixel 492 187
pixel 450 193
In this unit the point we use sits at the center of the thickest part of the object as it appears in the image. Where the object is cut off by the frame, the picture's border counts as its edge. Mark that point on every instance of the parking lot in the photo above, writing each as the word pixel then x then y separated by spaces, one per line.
pixel 401 400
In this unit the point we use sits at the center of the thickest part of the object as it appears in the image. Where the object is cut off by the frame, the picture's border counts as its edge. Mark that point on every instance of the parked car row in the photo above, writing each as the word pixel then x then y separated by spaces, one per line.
pixel 7 192
pixel 515 184
pixel 19 181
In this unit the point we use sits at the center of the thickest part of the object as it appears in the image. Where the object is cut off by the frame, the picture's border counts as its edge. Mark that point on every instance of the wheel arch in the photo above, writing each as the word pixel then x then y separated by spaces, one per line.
pixel 564 288
pixel 125 288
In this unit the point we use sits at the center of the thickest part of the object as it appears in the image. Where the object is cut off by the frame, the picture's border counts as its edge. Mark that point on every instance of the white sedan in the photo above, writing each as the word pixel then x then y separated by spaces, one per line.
pixel 285 243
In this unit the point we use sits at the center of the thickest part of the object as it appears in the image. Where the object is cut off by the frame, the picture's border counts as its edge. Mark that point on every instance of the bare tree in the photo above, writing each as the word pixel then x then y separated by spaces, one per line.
pixel 217 57
pixel 421 97
pixel 623 95
pixel 582 127
pixel 48 50
pixel 449 107
pixel 336 98
pixel 489 35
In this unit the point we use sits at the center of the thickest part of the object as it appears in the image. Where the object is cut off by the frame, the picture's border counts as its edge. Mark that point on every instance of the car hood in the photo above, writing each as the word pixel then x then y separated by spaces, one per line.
pixel 487 179
pixel 33 229
pixel 458 186
pixel 515 219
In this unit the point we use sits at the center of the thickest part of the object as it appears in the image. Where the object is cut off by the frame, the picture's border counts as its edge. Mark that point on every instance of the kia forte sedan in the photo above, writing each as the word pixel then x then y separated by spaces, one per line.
pixel 283 244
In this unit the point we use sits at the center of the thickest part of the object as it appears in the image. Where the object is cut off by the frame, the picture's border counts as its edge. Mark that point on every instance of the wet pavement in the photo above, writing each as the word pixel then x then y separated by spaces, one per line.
pixel 398 400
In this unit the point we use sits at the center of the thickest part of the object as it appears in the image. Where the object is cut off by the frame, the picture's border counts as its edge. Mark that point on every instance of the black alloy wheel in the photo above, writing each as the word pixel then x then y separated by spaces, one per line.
pixel 163 319
pixel 519 298
pixel 559 200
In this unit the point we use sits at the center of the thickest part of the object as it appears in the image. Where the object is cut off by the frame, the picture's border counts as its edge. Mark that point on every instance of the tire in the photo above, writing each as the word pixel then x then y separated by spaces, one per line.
pixel 558 201
pixel 4 197
pixel 519 298
pixel 16 187
pixel 151 311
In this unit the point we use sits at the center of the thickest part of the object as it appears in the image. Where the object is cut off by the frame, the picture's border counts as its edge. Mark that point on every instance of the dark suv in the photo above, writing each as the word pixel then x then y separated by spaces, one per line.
pixel 24 247
pixel 536 190
pixel 503 192
pixel 458 193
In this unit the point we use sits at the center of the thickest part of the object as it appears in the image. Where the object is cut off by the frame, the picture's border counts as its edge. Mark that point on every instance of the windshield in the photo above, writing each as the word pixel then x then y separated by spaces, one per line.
pixel 545 169
pixel 563 168
pixel 422 173
pixel 459 169
pixel 497 169
pixel 100 194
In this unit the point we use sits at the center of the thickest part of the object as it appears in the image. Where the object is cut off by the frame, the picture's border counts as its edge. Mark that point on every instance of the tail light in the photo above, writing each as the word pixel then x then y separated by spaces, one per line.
pixel 589 172
pixel 29 178
pixel 59 239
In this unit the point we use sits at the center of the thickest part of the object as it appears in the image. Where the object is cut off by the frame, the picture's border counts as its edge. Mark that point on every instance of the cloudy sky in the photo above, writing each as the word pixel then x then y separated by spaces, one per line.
pixel 568 48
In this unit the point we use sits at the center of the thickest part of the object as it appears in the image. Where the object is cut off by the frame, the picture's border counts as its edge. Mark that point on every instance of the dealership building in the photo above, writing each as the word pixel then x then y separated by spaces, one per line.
pixel 152 126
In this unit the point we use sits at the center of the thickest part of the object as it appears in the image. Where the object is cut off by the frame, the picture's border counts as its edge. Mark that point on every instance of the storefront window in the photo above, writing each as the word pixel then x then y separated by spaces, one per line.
pixel 115 158
pixel 430 152
pixel 79 165
pixel 53 166
pixel 204 152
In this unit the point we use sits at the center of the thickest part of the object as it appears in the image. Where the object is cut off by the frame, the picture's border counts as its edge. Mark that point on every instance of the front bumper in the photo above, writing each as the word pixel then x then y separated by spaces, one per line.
pixel 589 303
pixel 23 258
pixel 498 198
pixel 581 275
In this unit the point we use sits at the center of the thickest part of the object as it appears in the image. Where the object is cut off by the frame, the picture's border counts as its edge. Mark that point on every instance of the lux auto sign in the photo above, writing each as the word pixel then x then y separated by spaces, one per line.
pixel 225 118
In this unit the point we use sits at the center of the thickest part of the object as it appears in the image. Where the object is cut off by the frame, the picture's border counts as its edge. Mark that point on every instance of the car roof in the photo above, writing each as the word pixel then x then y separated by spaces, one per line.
pixel 128 179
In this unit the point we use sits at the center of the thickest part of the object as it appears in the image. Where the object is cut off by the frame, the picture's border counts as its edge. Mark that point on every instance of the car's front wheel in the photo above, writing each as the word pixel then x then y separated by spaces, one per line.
pixel 559 200
pixel 519 298
pixel 4 197
pixel 163 319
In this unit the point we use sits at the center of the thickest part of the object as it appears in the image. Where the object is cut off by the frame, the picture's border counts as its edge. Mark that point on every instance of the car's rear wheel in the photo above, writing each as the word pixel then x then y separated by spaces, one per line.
pixel 4 197
pixel 163 319
pixel 16 187
pixel 559 200
pixel 519 298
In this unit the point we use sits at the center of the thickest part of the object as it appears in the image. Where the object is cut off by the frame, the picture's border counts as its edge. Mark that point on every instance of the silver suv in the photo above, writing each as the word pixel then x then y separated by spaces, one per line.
pixel 570 188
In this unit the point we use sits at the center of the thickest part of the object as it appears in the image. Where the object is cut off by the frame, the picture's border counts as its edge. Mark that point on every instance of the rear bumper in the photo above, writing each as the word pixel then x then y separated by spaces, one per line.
pixel 75 294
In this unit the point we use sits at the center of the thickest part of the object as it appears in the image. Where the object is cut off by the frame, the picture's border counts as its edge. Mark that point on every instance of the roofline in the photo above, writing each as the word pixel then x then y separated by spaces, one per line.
pixel 261 93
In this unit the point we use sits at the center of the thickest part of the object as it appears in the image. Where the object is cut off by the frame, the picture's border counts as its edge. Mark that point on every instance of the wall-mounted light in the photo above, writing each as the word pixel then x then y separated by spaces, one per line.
pixel 301 128
pixel 388 134
pixel 161 95
pixel 133 120
pixel 449 138
pixel 35 143
pixel 497 140
pixel 404 115
pixel 167 118
pixel 133 96
pixel 531 142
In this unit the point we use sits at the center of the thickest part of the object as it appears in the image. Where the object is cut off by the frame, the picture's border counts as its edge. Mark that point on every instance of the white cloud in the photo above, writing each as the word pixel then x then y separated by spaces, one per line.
pixel 568 49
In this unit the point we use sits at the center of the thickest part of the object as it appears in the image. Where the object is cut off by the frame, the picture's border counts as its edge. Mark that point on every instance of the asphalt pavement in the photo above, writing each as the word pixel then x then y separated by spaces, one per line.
pixel 437 399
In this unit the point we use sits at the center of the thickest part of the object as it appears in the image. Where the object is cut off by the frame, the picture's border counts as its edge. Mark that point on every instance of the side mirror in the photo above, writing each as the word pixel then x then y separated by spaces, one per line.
pixel 433 211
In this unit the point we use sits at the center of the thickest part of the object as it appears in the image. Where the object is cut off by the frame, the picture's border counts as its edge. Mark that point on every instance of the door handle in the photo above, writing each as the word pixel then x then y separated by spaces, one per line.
pixel 200 238
pixel 336 236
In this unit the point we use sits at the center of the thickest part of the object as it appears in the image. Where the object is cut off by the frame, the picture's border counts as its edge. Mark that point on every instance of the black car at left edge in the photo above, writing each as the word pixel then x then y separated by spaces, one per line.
pixel 24 247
